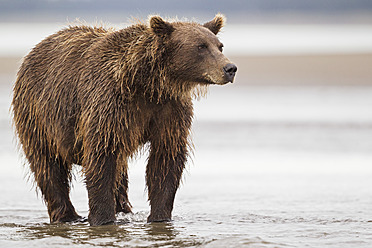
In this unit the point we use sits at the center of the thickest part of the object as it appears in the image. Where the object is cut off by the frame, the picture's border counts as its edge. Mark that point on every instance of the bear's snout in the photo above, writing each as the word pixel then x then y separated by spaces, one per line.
pixel 230 70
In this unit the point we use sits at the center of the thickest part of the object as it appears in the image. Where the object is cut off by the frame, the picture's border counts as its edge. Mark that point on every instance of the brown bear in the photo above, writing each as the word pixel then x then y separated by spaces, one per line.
pixel 93 96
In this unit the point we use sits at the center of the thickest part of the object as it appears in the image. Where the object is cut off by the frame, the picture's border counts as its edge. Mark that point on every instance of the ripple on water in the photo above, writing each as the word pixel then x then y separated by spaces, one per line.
pixel 131 230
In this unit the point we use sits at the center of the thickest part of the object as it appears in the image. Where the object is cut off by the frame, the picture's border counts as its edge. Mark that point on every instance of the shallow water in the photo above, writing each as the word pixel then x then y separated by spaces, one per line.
pixel 272 167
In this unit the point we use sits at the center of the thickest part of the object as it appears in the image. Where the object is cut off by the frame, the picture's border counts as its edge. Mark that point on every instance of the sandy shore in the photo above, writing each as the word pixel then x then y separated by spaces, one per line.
pixel 317 69
pixel 276 70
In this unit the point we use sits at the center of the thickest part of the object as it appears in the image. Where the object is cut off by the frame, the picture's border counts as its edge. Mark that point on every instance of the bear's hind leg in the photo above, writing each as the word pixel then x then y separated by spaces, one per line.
pixel 52 176
pixel 122 203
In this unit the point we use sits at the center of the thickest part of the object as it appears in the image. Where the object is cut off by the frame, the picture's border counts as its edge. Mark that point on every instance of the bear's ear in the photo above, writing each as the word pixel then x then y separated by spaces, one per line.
pixel 216 24
pixel 160 27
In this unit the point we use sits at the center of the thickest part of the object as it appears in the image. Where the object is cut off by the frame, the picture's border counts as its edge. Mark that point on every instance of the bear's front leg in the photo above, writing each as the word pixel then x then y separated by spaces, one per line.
pixel 163 175
pixel 169 133
pixel 100 181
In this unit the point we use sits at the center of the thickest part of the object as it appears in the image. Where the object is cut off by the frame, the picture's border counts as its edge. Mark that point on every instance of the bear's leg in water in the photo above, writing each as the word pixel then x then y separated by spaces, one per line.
pixel 100 178
pixel 163 176
pixel 52 176
pixel 121 196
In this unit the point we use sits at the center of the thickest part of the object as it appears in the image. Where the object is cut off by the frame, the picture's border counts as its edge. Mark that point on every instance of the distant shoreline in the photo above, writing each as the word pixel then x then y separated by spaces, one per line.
pixel 320 69
pixel 339 69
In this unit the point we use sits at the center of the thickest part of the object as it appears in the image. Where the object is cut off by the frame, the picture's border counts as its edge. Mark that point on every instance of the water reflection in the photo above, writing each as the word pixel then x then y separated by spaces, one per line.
pixel 164 230
pixel 168 234
pixel 161 233
pixel 121 234
pixel 76 234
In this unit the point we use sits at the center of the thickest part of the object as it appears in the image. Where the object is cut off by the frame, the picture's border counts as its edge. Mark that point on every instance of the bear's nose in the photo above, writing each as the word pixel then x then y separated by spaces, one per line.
pixel 230 70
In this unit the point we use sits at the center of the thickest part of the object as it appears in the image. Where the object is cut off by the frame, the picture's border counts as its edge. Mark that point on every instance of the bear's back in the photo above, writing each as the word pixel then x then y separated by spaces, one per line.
pixel 55 60
pixel 55 51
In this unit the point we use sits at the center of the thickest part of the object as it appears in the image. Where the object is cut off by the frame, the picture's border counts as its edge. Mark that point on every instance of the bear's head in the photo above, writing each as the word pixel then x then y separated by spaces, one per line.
pixel 194 53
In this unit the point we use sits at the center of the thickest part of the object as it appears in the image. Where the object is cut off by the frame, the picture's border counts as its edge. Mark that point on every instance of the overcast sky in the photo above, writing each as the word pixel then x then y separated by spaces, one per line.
pixel 236 10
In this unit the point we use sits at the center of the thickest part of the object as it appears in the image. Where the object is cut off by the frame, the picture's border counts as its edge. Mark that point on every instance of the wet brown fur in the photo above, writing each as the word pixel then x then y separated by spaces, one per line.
pixel 91 96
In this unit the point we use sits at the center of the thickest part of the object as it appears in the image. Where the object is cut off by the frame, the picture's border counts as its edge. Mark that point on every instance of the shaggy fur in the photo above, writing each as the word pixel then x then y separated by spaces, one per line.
pixel 93 97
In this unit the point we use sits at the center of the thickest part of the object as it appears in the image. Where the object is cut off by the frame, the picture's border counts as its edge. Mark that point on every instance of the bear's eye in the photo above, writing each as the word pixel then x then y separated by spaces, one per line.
pixel 202 46
pixel 220 47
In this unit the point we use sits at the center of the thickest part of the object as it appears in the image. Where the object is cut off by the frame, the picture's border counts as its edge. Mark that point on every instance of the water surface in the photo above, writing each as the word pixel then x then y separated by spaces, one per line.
pixel 272 167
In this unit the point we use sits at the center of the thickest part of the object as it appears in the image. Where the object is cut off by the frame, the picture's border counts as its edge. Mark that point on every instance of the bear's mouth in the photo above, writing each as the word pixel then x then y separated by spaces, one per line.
pixel 207 79
pixel 210 82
